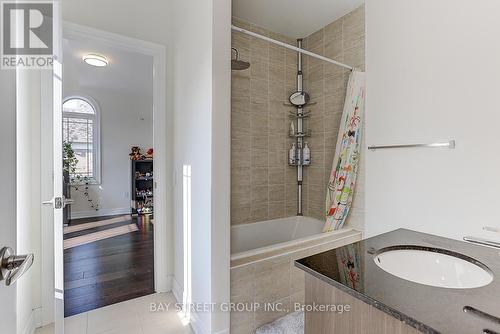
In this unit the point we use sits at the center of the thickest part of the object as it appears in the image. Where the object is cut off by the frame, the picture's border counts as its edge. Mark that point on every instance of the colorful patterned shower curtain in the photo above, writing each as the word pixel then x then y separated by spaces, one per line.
pixel 347 153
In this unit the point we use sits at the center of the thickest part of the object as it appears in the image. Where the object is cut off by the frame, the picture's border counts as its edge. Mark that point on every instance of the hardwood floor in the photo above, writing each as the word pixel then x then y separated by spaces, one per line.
pixel 108 271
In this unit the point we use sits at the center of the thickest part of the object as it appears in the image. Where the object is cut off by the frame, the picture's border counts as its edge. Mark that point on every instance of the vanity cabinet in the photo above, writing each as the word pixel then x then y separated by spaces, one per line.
pixel 360 319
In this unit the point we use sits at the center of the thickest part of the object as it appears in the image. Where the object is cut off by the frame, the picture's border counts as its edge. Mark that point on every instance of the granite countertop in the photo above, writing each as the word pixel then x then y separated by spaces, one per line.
pixel 426 308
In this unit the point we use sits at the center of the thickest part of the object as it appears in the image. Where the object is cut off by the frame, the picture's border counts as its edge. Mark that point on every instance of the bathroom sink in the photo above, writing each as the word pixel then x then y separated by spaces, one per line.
pixel 434 267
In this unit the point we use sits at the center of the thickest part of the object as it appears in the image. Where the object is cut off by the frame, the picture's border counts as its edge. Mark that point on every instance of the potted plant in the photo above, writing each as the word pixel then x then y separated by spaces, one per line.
pixel 76 181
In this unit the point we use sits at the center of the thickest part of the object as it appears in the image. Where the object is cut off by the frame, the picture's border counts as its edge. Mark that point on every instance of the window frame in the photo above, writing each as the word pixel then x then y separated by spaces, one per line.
pixel 96 133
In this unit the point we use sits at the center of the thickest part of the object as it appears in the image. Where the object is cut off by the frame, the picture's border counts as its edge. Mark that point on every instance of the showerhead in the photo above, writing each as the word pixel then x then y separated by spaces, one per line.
pixel 238 65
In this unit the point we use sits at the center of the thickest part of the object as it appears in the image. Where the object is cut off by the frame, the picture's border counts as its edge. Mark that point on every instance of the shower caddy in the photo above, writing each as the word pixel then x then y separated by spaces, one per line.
pixel 299 155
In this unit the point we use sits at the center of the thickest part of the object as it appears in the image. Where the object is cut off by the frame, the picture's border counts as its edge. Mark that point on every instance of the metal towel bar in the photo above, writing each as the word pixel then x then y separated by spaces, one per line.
pixel 450 144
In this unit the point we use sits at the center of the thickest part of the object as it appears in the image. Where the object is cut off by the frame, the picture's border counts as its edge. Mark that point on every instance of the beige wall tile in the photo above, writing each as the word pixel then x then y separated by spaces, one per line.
pixel 260 122
pixel 258 176
pixel 277 91
pixel 260 194
pixel 316 72
pixel 315 40
pixel 242 323
pixel 277 158
pixel 353 27
pixel 276 175
pixel 240 86
pixel 277 193
pixel 259 212
pixel 259 69
pixel 276 72
pixel 276 209
pixel 259 49
pixel 258 90
pixel 240 122
pixel 277 55
pixel 240 41
pixel 276 141
pixel 240 215
pixel 263 317
pixel 240 159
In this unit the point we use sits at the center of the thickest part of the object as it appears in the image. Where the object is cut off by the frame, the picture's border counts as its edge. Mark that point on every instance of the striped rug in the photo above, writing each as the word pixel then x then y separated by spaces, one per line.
pixel 86 226
pixel 101 235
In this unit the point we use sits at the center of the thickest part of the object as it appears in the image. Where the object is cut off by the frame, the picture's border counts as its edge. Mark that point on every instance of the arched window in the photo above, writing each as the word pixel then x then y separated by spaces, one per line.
pixel 81 129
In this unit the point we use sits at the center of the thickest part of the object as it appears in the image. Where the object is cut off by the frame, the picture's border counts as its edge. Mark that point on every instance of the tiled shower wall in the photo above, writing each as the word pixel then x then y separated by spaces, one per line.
pixel 263 186
pixel 342 40
pixel 259 128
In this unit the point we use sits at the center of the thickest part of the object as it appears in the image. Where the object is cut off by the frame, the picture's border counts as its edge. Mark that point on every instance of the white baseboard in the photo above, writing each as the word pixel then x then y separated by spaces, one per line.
pixel 225 331
pixel 99 213
pixel 177 290
pixel 197 325
pixel 30 325
pixel 169 283
pixel 37 315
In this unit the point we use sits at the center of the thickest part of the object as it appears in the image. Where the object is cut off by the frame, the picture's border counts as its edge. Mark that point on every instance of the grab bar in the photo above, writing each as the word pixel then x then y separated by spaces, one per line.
pixel 451 145
pixel 483 242
pixel 491 229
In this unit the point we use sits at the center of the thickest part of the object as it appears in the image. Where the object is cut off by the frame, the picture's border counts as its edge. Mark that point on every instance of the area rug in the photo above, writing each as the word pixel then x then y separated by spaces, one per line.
pixel 86 226
pixel 292 323
pixel 101 235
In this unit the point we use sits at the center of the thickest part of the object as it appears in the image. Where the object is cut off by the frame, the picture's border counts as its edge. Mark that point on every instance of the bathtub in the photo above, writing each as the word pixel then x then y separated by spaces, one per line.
pixel 262 265
pixel 256 241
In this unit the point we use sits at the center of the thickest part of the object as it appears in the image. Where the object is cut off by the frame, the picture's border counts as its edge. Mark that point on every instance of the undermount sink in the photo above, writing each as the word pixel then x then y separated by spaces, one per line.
pixel 434 267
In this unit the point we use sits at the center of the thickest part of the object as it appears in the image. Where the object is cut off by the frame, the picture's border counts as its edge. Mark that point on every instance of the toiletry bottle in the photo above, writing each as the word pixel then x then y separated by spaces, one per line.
pixel 292 155
pixel 292 129
pixel 306 155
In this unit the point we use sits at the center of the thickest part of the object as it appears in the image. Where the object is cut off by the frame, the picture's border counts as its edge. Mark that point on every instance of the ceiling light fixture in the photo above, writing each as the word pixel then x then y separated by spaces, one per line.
pixel 95 60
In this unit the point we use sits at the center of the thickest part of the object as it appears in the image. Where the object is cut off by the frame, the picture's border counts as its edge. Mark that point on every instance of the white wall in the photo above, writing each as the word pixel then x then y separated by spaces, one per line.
pixel 433 75
pixel 201 91
pixel 126 121
pixel 221 161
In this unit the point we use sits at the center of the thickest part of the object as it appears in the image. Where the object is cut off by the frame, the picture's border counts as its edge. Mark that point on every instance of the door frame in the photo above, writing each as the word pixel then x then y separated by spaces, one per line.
pixel 163 149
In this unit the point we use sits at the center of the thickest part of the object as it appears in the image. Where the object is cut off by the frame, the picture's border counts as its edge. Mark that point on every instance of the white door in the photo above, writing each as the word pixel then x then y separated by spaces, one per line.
pixel 31 131
pixel 51 183
pixel 7 204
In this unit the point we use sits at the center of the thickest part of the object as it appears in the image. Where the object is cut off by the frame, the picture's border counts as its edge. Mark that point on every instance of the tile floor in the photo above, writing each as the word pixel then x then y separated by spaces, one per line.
pixel 130 317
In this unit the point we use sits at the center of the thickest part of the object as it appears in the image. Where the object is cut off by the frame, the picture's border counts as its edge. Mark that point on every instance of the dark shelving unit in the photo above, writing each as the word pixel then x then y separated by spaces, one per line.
pixel 142 186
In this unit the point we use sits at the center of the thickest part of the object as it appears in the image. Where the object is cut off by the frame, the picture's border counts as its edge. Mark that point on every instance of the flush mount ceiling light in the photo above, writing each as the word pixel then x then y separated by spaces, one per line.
pixel 95 60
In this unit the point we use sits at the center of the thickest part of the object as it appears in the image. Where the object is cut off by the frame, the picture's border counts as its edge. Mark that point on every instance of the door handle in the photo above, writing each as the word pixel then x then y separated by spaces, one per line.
pixel 59 202
pixel 13 266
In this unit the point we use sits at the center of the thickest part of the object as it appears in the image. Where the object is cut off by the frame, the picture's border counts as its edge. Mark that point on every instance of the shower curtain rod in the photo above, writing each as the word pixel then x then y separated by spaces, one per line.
pixel 291 47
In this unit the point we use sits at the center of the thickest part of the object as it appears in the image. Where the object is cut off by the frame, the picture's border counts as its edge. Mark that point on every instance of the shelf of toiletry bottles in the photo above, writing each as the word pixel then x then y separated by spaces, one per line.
pixel 299 156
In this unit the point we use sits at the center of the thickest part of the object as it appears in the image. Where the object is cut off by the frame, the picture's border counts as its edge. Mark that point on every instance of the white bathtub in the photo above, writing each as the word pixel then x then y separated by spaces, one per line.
pixel 262 263
pixel 256 241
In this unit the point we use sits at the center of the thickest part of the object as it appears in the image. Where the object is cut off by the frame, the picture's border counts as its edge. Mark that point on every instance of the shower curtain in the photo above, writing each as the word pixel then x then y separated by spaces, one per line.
pixel 347 153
